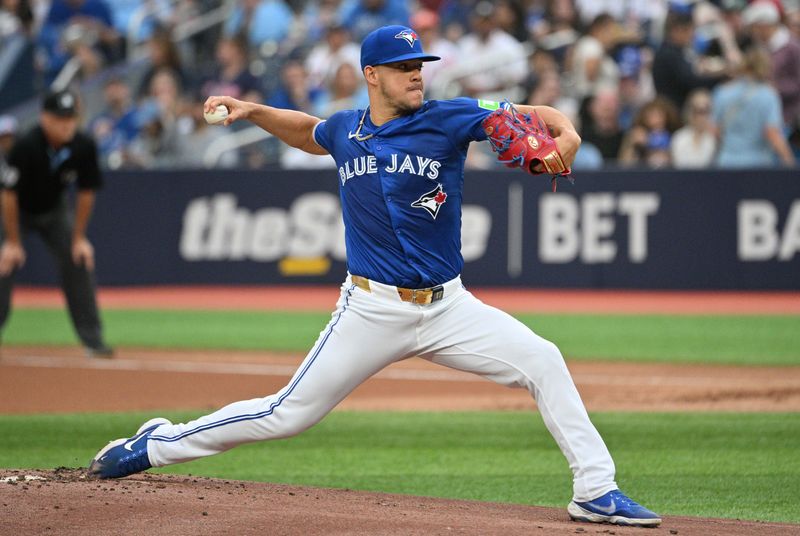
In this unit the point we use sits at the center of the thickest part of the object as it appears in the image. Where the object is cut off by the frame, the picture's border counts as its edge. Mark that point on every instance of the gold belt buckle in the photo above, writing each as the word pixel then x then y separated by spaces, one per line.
pixel 421 296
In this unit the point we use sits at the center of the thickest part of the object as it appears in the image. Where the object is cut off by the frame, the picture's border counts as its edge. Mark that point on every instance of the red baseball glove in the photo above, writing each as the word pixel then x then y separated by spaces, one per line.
pixel 524 141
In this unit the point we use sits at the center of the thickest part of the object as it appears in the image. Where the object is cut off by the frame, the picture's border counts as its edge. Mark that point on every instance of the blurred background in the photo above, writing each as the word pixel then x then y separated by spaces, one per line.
pixel 642 79
pixel 688 109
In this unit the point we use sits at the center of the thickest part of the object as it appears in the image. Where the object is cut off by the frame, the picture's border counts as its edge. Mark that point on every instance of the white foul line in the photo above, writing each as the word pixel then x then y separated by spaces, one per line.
pixel 246 369
pixel 392 373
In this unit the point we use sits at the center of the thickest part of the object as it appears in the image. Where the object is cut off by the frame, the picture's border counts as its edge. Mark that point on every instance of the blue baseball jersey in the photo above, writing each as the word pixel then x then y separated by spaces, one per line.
pixel 401 187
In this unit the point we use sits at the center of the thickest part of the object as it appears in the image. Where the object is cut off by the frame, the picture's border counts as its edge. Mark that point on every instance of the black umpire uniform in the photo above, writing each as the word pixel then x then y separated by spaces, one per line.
pixel 39 174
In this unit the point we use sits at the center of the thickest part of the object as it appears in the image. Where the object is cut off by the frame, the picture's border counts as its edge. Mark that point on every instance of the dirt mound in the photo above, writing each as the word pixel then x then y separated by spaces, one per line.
pixel 67 502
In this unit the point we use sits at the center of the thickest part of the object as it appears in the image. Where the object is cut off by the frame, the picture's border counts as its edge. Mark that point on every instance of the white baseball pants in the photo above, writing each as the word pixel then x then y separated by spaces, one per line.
pixel 370 330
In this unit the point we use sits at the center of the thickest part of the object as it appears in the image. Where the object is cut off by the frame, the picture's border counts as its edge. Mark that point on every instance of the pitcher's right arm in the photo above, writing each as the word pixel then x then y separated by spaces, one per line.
pixel 291 127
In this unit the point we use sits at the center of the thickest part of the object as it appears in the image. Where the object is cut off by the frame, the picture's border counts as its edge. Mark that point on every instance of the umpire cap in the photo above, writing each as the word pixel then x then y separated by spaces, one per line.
pixel 390 44
pixel 61 103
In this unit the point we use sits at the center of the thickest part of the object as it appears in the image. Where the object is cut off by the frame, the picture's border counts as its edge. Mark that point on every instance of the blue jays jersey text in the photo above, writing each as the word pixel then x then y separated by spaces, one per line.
pixel 401 189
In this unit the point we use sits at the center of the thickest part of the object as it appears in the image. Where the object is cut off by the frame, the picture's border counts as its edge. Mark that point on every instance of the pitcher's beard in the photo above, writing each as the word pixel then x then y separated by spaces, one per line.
pixel 402 108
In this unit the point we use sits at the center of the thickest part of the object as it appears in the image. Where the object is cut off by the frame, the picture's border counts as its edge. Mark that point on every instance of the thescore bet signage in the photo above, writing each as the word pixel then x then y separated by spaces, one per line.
pixel 621 229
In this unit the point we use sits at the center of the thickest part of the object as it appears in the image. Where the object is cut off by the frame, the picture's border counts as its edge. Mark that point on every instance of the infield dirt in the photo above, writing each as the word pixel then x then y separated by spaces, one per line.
pixel 65 502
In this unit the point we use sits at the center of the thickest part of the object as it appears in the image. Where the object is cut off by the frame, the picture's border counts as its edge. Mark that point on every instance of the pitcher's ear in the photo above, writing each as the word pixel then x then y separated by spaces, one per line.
pixel 371 74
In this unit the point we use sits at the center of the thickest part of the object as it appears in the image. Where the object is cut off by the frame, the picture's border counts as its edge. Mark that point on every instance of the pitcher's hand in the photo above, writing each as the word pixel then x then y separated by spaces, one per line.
pixel 236 109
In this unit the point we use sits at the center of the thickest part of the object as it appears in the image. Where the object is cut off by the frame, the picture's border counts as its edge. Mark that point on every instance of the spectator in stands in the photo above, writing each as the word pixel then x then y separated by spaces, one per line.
pixel 793 22
pixel 554 28
pixel 587 157
pixel 510 18
pixel 714 42
pixel 674 73
pixel 732 17
pixel 640 14
pixel 635 84
pixel 78 27
pixel 648 142
pixel 317 17
pixel 162 54
pixel 601 123
pixel 157 143
pixel 455 15
pixel 159 15
pixel 232 76
pixel 15 17
pixel 541 61
pixel 363 16
pixel 260 21
pixel 344 92
pixel 325 58
pixel 747 115
pixel 8 134
pixel 116 125
pixel 547 92
pixel 499 61
pixel 763 20
pixel 166 92
pixel 694 145
pixel 81 46
pixel 295 92
pixel 426 23
pixel 592 66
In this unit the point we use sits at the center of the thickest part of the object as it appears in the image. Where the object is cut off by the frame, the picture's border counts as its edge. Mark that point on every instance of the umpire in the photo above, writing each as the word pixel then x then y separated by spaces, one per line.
pixel 42 164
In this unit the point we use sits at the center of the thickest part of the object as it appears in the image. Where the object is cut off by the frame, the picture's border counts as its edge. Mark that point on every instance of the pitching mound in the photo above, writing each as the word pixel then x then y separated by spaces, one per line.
pixel 66 502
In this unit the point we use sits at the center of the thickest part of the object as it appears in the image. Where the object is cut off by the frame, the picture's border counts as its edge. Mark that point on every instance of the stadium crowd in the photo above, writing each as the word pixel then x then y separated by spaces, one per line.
pixel 649 83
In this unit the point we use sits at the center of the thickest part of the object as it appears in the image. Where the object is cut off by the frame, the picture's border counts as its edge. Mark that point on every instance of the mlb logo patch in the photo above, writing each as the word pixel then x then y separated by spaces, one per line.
pixel 408 36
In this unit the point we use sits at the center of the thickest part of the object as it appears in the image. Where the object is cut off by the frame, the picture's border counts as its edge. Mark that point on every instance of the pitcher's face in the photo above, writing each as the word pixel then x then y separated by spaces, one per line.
pixel 401 85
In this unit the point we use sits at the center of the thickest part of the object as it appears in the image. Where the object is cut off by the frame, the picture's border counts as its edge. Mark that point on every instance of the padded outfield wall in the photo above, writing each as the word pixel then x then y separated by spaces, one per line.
pixel 611 229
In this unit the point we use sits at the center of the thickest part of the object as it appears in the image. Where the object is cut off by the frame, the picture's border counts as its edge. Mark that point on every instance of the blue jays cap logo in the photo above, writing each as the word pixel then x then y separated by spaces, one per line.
pixel 408 36
pixel 385 45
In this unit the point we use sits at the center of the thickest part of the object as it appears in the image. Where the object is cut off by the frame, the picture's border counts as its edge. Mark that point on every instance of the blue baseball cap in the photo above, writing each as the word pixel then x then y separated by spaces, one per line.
pixel 389 44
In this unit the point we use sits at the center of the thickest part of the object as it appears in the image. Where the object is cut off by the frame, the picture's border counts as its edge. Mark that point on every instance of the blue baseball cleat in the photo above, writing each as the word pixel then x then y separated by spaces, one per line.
pixel 616 508
pixel 126 456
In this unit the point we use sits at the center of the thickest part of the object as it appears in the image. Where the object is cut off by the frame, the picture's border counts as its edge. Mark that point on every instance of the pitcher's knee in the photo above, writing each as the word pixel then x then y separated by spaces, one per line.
pixel 543 359
pixel 552 352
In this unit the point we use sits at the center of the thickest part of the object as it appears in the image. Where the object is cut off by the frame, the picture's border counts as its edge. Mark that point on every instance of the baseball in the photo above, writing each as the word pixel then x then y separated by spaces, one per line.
pixel 217 115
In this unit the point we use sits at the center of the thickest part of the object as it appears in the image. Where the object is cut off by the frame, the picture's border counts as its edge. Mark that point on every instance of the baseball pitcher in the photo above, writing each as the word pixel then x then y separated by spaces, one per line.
pixel 400 171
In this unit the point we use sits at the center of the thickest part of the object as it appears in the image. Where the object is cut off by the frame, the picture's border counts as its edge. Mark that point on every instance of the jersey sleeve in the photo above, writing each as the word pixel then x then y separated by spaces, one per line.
pixel 461 118
pixel 10 170
pixel 322 135
pixel 328 131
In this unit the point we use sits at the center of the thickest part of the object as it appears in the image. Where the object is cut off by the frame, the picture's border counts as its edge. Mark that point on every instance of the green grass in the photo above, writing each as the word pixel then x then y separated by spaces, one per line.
pixel 722 465
pixel 749 340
